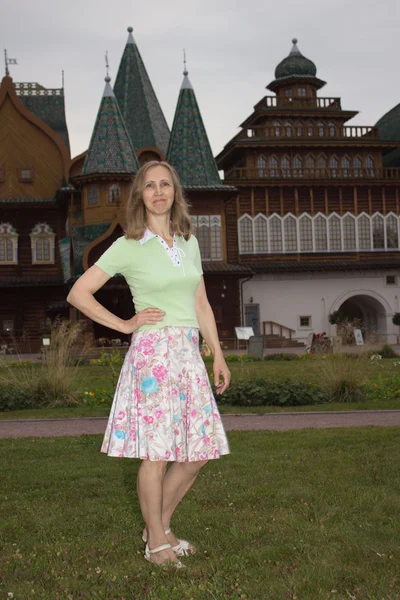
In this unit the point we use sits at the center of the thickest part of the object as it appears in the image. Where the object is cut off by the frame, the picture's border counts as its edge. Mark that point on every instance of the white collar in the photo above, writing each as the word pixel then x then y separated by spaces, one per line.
pixel 148 234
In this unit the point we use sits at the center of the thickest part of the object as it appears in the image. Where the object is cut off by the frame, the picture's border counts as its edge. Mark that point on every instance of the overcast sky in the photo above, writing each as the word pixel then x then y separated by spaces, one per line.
pixel 232 50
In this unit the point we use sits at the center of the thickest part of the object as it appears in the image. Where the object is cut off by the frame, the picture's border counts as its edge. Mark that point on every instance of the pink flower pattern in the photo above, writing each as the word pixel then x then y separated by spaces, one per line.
pixel 163 407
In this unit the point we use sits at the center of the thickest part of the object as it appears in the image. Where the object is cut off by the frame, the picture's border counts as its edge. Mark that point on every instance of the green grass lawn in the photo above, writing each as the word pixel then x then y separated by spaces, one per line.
pixel 300 515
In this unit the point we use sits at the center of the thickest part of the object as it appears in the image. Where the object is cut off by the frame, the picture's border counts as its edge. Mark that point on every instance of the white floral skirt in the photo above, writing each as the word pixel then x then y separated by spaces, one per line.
pixel 164 407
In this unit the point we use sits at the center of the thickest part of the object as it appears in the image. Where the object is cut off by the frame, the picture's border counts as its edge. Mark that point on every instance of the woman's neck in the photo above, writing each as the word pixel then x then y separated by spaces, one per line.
pixel 161 226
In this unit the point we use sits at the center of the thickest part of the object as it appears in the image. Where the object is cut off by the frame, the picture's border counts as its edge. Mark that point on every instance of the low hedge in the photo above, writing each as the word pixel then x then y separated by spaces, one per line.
pixel 260 392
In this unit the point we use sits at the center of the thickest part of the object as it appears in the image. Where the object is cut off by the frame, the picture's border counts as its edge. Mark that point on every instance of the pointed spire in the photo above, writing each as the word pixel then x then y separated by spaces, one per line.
pixel 189 150
pixel 138 103
pixel 110 149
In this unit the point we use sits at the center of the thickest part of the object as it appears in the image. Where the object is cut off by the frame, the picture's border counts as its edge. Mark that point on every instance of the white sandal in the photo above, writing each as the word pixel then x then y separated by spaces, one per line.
pixel 181 549
pixel 148 553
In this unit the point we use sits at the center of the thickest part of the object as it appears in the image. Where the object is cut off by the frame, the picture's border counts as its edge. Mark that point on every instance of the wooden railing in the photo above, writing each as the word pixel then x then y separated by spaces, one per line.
pixel 298 103
pixel 35 89
pixel 281 328
pixel 301 132
pixel 313 173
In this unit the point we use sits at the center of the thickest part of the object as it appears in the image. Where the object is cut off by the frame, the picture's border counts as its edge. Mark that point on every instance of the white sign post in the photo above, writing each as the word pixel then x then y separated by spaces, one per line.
pixel 243 333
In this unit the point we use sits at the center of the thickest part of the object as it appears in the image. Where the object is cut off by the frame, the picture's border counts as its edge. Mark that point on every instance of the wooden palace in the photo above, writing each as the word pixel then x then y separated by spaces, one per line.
pixel 306 221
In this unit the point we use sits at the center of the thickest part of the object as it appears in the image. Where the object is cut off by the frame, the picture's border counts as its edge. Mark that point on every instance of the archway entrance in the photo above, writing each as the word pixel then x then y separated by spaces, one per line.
pixel 369 311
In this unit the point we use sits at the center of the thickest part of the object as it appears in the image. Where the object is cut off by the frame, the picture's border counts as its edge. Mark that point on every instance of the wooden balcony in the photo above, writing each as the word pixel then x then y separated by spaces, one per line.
pixel 300 173
pixel 309 132
pixel 299 103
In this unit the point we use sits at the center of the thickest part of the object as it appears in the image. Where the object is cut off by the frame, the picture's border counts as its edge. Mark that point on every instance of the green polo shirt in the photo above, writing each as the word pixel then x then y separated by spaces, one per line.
pixel 154 280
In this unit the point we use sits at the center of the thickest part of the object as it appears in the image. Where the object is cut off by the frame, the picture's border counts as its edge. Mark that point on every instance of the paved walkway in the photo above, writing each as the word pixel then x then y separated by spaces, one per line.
pixel 272 421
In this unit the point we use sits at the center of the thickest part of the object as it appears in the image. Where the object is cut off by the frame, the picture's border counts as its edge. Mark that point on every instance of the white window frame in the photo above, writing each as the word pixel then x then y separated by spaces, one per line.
pixel 7 232
pixel 43 231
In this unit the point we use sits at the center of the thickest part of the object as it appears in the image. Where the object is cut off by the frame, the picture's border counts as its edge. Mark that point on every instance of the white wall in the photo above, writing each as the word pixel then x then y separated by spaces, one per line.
pixel 283 298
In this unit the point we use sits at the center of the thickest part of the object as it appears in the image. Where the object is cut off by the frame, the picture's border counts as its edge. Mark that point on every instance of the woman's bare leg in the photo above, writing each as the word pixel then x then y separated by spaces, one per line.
pixel 150 492
pixel 177 482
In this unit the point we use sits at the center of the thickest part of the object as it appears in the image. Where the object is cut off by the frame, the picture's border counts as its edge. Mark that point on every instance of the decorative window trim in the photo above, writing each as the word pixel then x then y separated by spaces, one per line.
pixel 9 244
pixel 309 325
pixel 114 194
pixel 395 280
pixel 41 233
pixel 390 235
pixel 26 174
pixel 90 197
pixel 212 222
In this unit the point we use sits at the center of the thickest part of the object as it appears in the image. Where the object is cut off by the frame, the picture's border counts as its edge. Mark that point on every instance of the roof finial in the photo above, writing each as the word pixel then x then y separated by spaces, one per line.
pixel 295 49
pixel 9 61
pixel 185 71
pixel 107 67
pixel 130 36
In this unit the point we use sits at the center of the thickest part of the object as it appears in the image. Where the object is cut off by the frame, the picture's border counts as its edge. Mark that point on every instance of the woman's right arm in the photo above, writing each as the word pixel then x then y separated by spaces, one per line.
pixel 81 296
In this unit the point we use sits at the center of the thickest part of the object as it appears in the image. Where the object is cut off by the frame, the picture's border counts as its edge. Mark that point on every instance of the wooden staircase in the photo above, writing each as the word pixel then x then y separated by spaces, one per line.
pixel 279 340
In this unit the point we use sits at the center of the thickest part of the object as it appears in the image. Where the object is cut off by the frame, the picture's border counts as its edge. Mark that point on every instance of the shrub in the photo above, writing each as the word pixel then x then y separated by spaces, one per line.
pixel 106 359
pixel 281 356
pixel 343 377
pixel 396 319
pixel 387 351
pixel 12 398
pixel 263 392
pixel 51 383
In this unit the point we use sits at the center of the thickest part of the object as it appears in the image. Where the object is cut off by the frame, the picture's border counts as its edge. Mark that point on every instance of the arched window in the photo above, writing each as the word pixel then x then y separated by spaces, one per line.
pixel 321 165
pixel 246 239
pixel 357 164
pixel 277 128
pixel 364 232
pixel 310 165
pixel 261 233
pixel 93 195
pixel 290 230
pixel 345 166
pixel 378 233
pixel 8 244
pixel 349 233
pixel 305 230
pixel 114 194
pixel 42 244
pixel 299 129
pixel 320 234
pixel 369 165
pixel 262 166
pixel 333 165
pixel 310 129
pixel 392 238
pixel 273 166
pixel 288 129
pixel 335 237
pixel 285 163
pixel 275 232
pixel 321 129
pixel 207 229
pixel 332 129
pixel 297 167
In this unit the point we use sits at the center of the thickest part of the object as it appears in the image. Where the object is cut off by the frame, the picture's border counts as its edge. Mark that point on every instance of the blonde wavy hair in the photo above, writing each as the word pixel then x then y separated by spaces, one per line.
pixel 135 216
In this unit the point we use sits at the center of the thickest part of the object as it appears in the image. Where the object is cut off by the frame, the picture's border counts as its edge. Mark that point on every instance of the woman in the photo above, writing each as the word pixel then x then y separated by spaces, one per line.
pixel 163 409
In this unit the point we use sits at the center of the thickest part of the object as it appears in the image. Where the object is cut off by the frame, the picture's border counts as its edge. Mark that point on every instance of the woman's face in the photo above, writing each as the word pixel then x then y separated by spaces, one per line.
pixel 158 191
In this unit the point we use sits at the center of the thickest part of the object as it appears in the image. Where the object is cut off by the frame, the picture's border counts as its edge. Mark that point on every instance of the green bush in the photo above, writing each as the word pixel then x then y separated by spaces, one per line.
pixel 12 398
pixel 107 359
pixel 387 351
pixel 281 356
pixel 262 392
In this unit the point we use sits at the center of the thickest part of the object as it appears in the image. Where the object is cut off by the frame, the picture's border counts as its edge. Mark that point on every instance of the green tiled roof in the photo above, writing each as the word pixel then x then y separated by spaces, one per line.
pixel 295 64
pixel 64 246
pixel 26 200
pixel 110 149
pixel 81 238
pixel 189 150
pixel 389 131
pixel 137 100
pixel 50 109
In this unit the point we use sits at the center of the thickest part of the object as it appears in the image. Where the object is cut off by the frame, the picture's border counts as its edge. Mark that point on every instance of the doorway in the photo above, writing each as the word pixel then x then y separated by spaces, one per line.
pixel 252 317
